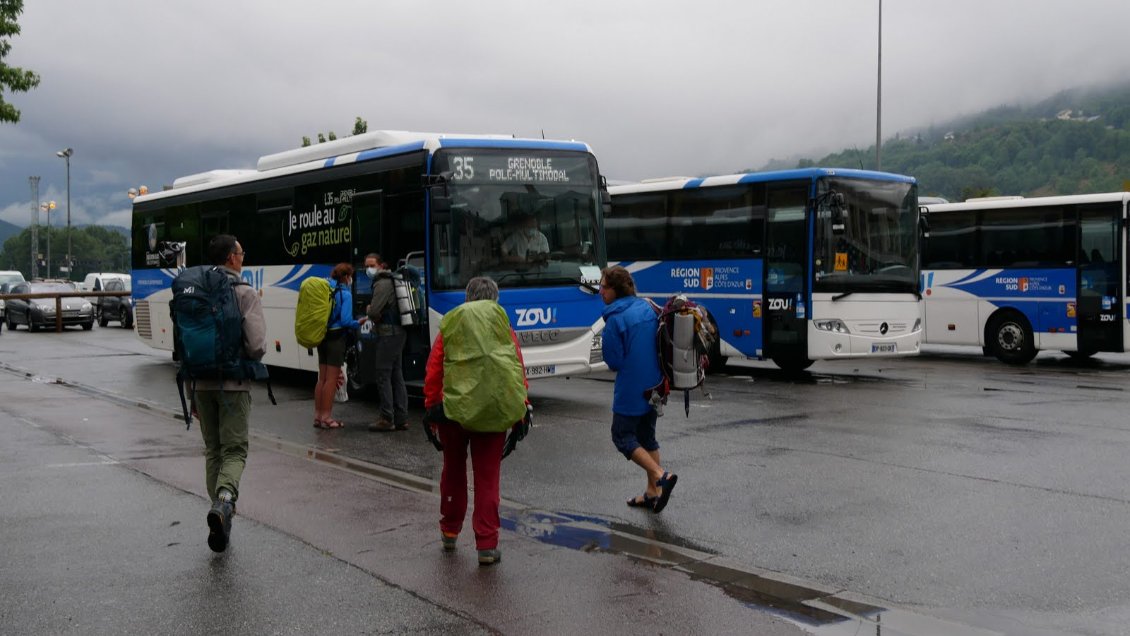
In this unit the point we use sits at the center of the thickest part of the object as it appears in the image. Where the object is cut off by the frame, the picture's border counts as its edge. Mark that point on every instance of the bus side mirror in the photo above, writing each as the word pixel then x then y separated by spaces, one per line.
pixel 440 213
pixel 440 203
pixel 830 205
pixel 440 200
pixel 836 203
pixel 605 197
pixel 924 221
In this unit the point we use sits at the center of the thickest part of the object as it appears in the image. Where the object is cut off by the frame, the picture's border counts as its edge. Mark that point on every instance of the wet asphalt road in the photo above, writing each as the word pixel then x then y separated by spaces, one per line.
pixel 92 547
pixel 949 484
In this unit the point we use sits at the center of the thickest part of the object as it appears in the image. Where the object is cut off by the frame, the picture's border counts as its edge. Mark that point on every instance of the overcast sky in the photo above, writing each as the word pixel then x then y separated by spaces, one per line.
pixel 146 92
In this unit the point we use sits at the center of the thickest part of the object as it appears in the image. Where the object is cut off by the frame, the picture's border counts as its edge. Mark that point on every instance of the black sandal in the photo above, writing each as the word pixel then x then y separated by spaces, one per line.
pixel 667 483
pixel 642 501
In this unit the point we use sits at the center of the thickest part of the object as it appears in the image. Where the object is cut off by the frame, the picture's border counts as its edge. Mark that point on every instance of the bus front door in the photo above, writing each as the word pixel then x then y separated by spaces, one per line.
pixel 785 312
pixel 1099 311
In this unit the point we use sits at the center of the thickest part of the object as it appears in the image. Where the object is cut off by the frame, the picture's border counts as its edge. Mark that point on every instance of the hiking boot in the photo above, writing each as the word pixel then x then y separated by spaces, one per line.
pixel 381 426
pixel 489 557
pixel 448 541
pixel 219 525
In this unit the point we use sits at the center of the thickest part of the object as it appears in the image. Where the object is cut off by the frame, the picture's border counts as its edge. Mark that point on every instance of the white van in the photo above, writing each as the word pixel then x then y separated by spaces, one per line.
pixel 96 281
pixel 7 279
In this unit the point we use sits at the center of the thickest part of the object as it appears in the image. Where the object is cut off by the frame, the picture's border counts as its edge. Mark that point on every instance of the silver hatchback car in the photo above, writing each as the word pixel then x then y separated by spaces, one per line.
pixel 40 312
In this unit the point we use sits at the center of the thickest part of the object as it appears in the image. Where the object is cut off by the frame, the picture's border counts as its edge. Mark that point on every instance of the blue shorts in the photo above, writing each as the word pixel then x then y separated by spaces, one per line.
pixel 630 432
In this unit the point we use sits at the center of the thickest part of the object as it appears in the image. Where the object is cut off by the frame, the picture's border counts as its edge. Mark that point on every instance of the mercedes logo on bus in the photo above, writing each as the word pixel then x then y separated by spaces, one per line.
pixel 883 328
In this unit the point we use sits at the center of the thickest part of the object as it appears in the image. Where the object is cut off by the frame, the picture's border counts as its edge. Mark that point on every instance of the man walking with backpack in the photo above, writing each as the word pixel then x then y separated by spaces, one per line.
pixel 391 337
pixel 223 404
pixel 629 346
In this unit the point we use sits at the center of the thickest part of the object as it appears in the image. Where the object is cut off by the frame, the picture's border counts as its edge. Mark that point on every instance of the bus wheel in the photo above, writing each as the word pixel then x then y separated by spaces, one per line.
pixel 792 364
pixel 1010 336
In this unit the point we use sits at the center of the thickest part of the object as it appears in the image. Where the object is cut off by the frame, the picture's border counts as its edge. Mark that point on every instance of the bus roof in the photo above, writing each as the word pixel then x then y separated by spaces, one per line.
pixel 681 183
pixel 995 203
pixel 353 149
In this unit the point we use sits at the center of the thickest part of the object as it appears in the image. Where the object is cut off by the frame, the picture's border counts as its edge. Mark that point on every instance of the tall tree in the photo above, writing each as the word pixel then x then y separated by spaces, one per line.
pixel 359 126
pixel 12 79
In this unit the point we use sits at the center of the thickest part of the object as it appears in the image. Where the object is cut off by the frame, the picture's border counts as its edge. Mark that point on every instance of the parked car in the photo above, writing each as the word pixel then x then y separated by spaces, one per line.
pixel 119 308
pixel 40 312
pixel 97 281
pixel 7 279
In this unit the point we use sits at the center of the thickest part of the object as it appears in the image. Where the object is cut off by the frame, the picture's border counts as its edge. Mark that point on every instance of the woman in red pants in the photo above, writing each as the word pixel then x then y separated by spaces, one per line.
pixel 474 391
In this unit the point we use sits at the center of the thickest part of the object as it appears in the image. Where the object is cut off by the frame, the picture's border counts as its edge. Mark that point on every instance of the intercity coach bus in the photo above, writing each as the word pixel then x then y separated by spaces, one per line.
pixel 1018 275
pixel 442 203
pixel 792 266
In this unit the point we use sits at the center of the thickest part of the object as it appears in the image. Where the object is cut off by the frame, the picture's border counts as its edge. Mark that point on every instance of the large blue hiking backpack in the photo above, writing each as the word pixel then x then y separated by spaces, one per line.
pixel 208 331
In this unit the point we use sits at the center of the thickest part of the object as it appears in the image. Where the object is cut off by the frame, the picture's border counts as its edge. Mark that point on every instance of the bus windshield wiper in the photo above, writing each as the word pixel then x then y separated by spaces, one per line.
pixel 843 295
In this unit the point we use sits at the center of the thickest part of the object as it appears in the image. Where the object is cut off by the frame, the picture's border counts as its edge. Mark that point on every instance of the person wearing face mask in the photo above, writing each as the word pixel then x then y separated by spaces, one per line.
pixel 527 244
pixel 391 337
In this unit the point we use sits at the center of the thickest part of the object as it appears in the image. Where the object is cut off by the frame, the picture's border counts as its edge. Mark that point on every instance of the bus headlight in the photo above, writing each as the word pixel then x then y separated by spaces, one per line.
pixel 917 325
pixel 831 324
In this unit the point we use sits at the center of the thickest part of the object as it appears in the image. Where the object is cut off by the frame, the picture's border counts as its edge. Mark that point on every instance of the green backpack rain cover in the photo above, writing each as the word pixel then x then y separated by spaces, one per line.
pixel 312 315
pixel 483 386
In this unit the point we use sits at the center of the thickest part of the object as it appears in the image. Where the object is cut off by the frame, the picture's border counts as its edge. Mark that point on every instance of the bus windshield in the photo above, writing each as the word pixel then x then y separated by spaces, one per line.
pixel 526 218
pixel 869 241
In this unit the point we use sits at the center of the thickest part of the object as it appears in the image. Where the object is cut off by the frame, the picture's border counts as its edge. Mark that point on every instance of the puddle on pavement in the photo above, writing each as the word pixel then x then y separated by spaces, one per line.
pixel 818 612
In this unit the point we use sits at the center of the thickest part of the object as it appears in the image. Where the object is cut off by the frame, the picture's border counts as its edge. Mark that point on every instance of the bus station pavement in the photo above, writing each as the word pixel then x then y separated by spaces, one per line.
pixel 102 526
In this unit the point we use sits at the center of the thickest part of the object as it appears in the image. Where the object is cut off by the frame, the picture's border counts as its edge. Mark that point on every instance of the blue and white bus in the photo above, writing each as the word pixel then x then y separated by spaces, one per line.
pixel 1016 276
pixel 793 266
pixel 442 204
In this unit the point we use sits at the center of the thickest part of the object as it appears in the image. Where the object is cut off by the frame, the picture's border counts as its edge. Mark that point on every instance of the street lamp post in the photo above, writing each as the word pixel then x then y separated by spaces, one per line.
pixel 879 95
pixel 66 154
pixel 34 227
pixel 48 206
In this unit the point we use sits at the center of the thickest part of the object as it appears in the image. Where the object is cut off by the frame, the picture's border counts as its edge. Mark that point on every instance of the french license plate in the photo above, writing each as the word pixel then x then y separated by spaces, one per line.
pixel 540 370
pixel 886 347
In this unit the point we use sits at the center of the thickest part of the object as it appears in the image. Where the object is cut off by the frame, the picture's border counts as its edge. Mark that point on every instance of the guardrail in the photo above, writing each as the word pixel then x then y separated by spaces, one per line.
pixel 59 296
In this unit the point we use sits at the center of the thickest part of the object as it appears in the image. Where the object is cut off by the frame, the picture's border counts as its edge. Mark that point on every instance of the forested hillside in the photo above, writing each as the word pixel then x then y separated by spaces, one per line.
pixel 1075 142
pixel 7 230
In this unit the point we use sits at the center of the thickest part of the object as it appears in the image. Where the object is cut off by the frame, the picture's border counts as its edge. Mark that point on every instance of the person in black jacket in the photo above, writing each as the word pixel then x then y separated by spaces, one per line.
pixel 391 337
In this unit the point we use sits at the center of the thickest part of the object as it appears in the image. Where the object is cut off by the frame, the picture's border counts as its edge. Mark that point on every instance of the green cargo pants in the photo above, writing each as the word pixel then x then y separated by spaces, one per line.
pixel 223 424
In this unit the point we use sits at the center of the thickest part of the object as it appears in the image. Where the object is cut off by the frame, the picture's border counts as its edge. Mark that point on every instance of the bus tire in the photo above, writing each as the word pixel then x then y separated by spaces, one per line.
pixel 792 364
pixel 1010 336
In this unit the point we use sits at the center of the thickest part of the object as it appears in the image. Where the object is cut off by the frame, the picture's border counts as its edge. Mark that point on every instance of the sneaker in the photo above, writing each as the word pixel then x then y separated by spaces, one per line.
pixel 219 525
pixel 448 541
pixel 381 426
pixel 402 426
pixel 489 557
